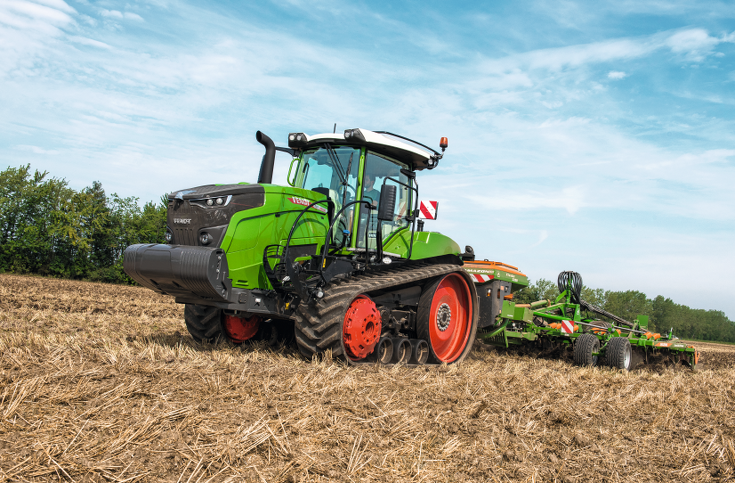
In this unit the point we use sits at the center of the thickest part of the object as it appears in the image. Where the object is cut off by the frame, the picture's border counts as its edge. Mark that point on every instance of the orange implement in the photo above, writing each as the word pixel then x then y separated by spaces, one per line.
pixel 495 266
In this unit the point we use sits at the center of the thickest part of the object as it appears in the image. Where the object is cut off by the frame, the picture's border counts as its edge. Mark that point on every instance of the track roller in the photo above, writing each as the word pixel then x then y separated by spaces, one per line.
pixel 401 351
pixel 383 351
pixel 419 351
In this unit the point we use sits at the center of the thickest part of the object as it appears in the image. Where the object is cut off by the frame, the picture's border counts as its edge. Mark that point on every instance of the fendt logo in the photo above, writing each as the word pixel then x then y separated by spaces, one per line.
pixel 182 221
pixel 303 202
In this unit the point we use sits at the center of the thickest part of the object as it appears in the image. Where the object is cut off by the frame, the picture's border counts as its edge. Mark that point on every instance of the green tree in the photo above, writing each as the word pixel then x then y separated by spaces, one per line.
pixel 627 304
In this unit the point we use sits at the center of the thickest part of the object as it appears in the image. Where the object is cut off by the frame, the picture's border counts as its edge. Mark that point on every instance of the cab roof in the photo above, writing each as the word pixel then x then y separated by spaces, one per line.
pixel 402 149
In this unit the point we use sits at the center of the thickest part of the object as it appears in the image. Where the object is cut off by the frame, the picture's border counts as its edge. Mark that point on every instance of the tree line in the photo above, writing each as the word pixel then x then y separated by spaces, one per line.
pixel 50 229
pixel 663 313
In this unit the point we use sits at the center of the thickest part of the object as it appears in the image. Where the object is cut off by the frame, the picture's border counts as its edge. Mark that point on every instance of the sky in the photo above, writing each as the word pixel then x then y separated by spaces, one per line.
pixel 597 137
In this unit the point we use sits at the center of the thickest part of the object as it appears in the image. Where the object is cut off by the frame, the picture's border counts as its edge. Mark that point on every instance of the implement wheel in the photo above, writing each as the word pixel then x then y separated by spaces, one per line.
pixel 445 319
pixel 204 323
pixel 361 328
pixel 240 329
pixel 584 348
pixel 619 353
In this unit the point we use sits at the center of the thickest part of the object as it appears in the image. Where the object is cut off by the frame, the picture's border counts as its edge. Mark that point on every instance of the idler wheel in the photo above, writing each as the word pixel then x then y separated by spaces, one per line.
pixel 361 328
pixel 445 317
pixel 240 329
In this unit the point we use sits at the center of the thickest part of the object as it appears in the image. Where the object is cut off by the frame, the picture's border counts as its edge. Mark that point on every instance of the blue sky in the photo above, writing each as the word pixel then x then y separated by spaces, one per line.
pixel 589 136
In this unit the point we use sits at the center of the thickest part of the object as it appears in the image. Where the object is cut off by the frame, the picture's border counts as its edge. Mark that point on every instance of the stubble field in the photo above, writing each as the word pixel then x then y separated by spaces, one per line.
pixel 103 383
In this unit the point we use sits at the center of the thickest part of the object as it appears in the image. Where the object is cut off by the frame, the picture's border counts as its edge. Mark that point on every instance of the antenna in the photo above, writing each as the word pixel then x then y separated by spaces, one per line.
pixel 335 128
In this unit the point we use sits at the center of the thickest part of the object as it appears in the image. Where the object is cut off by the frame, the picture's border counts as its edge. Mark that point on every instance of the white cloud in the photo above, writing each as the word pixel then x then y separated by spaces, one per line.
pixel 36 149
pixel 38 12
pixel 87 41
pixel 571 199
pixel 58 5
pixel 133 16
pixel 694 44
pixel 111 13
pixel 120 15
pixel 615 74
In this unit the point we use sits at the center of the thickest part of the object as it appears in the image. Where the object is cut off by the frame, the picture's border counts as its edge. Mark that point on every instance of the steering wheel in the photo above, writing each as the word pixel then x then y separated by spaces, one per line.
pixel 341 192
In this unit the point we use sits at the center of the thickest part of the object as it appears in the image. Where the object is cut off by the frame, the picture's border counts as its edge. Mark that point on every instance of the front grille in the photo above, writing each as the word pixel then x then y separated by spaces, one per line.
pixel 185 236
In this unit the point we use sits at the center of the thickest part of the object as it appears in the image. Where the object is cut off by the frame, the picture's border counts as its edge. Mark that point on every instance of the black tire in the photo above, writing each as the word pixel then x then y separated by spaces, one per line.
pixel 619 353
pixel 585 345
pixel 204 323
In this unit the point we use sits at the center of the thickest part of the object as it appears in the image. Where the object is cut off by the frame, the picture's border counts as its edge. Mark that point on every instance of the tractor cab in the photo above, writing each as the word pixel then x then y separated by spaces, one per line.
pixel 353 170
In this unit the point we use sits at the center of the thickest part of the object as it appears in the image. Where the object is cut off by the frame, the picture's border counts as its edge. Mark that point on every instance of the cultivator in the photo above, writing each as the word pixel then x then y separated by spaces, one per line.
pixel 567 322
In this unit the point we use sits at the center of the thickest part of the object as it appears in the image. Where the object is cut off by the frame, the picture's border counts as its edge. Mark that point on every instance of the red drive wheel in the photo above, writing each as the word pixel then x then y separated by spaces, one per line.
pixel 361 328
pixel 445 317
pixel 240 329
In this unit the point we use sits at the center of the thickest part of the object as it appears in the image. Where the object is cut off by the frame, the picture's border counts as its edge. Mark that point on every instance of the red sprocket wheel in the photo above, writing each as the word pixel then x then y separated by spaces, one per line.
pixel 450 318
pixel 361 328
pixel 240 329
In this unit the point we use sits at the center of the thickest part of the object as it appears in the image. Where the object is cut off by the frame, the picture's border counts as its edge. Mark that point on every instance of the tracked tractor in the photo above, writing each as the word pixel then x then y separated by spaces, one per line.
pixel 336 258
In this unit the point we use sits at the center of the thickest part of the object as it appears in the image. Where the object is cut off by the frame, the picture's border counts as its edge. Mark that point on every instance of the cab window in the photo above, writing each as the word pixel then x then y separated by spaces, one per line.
pixel 378 170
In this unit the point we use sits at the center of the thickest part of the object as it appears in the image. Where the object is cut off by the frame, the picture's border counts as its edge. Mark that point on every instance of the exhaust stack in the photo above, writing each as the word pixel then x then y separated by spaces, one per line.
pixel 269 158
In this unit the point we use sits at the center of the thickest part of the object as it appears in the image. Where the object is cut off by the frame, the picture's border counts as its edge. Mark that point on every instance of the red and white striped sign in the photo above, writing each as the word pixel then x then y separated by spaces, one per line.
pixel 481 277
pixel 428 209
pixel 567 326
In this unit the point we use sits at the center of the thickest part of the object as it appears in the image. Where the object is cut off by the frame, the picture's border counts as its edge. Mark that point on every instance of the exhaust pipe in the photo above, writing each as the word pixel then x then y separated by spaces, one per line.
pixel 269 158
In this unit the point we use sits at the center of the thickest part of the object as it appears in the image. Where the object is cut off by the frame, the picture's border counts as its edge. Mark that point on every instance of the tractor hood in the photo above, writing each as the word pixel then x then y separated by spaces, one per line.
pixel 199 216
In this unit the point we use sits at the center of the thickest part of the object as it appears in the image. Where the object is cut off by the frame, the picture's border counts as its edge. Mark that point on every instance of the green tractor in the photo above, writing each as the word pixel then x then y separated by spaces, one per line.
pixel 337 259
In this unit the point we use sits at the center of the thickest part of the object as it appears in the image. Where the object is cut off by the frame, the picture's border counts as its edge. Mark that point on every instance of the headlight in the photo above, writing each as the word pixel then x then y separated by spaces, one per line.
pixel 205 238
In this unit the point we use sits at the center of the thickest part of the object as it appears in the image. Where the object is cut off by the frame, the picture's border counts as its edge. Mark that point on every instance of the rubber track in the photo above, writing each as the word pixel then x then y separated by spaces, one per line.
pixel 318 327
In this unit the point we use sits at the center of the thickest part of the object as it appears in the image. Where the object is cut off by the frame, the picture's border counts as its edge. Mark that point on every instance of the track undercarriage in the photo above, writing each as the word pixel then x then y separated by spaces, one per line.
pixel 414 314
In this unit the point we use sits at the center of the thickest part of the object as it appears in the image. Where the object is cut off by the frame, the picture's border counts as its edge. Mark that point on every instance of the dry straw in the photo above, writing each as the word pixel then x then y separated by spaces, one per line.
pixel 102 383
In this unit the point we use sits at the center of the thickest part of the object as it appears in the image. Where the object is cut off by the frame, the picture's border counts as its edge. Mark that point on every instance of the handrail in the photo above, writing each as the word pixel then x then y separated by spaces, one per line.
pixel 329 232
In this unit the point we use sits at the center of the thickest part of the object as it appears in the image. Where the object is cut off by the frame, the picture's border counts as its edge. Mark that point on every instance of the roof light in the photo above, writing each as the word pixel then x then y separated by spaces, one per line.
pixel 297 140
pixel 444 143
pixel 354 135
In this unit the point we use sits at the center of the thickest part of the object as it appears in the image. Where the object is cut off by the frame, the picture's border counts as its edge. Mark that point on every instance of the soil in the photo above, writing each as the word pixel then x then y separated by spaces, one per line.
pixel 103 383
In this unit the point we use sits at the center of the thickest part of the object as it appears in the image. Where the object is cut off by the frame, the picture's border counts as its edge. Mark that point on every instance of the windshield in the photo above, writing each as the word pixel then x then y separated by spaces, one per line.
pixel 335 169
